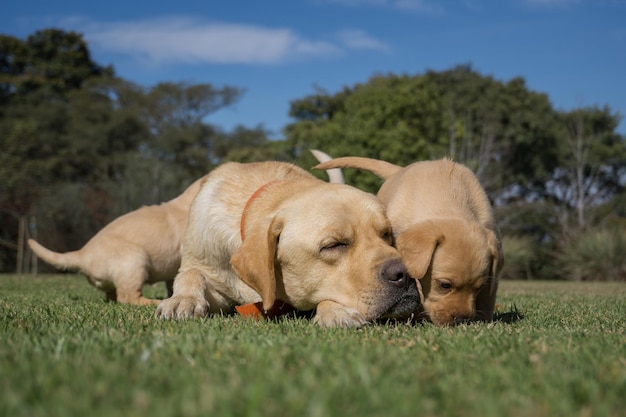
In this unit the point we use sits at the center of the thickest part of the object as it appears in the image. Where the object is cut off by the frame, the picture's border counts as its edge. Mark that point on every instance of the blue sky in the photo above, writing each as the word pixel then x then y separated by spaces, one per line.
pixel 278 50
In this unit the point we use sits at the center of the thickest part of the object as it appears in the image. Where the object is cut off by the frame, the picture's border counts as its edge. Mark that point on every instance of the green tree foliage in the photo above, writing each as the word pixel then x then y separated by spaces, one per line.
pixel 81 146
pixel 39 77
pixel 491 126
pixel 51 59
pixel 495 127
pixel 396 118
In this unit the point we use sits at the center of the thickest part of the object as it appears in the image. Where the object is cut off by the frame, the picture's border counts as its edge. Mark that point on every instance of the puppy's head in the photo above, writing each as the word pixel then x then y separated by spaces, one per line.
pixel 457 263
pixel 325 243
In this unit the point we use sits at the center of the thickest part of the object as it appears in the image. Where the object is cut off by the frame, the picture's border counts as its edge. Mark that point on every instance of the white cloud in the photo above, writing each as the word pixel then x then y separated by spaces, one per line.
pixel 171 40
pixel 357 39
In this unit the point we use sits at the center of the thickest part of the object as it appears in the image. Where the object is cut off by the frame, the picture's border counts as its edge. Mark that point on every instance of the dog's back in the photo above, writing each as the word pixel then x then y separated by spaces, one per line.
pixel 222 199
pixel 436 189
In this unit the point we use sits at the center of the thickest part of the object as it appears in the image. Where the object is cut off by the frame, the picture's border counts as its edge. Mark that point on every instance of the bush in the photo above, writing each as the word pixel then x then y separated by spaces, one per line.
pixel 519 255
pixel 596 255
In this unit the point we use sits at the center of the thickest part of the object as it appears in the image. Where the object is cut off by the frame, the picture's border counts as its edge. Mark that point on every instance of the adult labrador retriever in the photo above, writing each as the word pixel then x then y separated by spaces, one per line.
pixel 445 230
pixel 140 247
pixel 270 231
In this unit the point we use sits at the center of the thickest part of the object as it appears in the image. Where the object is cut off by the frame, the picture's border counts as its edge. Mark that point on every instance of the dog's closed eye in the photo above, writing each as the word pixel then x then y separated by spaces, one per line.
pixel 387 236
pixel 335 245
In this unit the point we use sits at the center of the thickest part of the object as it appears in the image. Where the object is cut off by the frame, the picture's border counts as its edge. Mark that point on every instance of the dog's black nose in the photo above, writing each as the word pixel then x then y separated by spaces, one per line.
pixel 396 274
pixel 461 320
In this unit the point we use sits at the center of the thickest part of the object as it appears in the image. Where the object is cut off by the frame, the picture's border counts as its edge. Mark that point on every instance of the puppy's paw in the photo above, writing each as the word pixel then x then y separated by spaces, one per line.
pixel 331 314
pixel 182 307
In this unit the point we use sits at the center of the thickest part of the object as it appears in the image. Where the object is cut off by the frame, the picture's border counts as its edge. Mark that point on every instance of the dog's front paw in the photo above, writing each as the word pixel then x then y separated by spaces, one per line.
pixel 182 307
pixel 331 314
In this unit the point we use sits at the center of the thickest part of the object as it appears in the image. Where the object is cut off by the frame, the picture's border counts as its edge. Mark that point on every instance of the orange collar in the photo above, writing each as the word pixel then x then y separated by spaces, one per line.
pixel 255 310
pixel 245 208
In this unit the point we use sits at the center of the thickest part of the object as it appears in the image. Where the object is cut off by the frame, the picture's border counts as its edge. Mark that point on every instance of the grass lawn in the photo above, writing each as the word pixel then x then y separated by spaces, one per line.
pixel 557 349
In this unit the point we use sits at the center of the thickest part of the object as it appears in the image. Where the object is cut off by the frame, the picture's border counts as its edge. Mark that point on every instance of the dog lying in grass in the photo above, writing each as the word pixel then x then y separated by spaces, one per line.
pixel 138 248
pixel 444 228
pixel 271 232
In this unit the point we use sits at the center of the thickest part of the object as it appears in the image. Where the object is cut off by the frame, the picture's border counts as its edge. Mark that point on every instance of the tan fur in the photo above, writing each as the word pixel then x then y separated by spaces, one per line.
pixel 140 247
pixel 445 231
pixel 306 242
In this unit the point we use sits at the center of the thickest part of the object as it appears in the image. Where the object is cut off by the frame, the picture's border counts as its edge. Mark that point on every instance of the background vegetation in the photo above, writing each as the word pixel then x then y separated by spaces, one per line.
pixel 556 349
pixel 80 146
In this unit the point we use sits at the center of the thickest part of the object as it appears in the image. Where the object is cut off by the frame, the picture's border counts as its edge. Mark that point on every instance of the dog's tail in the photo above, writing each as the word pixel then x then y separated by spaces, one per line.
pixel 65 261
pixel 334 175
pixel 381 168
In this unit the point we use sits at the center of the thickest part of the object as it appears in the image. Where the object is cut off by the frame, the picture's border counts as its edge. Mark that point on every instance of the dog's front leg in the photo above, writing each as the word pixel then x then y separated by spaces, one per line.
pixel 188 299
pixel 332 314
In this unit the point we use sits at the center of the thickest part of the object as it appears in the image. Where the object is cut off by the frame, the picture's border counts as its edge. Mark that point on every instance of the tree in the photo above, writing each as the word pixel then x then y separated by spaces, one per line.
pixel 496 128
pixel 38 75
pixel 51 58
pixel 591 170
pixel 493 127
pixel 81 146
pixel 396 118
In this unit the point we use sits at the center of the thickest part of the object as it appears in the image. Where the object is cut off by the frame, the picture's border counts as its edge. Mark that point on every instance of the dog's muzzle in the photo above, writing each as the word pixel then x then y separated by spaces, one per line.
pixel 406 298
pixel 406 304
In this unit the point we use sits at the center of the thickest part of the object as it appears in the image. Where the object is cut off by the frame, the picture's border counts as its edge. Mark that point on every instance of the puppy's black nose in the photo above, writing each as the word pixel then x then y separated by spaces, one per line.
pixel 396 274
pixel 461 320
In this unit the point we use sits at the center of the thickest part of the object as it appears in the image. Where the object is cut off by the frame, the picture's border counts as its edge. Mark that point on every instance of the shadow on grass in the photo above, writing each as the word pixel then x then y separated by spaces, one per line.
pixel 511 316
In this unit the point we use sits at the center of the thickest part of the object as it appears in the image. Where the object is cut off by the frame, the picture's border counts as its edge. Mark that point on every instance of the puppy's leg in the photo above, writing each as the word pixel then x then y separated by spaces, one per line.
pixel 332 314
pixel 129 287
pixel 189 298
pixel 111 295
pixel 132 295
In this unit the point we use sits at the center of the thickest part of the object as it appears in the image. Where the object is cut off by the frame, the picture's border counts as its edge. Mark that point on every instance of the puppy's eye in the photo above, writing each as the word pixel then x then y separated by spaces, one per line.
pixel 444 285
pixel 387 236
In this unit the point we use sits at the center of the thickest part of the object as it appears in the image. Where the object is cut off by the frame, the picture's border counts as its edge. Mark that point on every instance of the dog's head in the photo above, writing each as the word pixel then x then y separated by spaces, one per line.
pixel 457 263
pixel 324 243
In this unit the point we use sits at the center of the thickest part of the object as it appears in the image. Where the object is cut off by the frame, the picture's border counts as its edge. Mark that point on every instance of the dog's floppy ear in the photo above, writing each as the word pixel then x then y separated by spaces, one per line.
pixel 497 259
pixel 486 297
pixel 254 261
pixel 417 246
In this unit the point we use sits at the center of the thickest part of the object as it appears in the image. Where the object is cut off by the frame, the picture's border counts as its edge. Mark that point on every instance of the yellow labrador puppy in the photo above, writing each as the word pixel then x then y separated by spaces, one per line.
pixel 445 230
pixel 270 231
pixel 140 247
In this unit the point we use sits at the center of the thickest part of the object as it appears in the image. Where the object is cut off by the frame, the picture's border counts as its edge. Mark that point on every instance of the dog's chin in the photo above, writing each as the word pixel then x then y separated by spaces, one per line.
pixel 405 305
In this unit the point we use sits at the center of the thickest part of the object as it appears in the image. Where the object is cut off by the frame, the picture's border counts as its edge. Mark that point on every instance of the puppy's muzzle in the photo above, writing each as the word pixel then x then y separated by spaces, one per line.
pixel 405 296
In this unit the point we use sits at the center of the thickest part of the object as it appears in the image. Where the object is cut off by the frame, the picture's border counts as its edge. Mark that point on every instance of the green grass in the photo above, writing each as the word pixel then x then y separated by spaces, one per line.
pixel 558 349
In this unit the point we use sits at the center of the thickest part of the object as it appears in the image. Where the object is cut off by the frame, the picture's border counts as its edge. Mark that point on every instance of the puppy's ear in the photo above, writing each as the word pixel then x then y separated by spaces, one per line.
pixel 497 259
pixel 417 246
pixel 486 297
pixel 254 261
